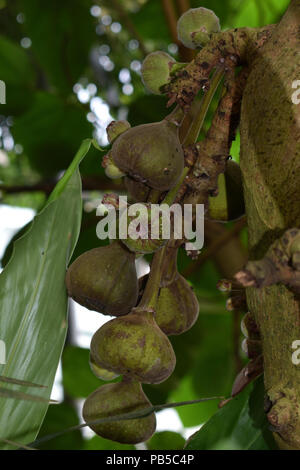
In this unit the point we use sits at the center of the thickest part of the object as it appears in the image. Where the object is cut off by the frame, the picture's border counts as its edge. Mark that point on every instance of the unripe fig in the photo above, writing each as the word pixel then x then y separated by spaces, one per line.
pixel 177 307
pixel 229 203
pixel 151 154
pixel 134 345
pixel 157 69
pixel 117 399
pixel 104 279
pixel 111 170
pixel 144 243
pixel 145 229
pixel 99 372
pixel 196 26
pixel 115 128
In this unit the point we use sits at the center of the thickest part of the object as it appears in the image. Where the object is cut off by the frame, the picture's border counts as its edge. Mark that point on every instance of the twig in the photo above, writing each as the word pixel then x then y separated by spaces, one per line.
pixel 17 444
pixel 185 54
pixel 183 5
pixel 89 183
pixel 171 18
pixel 125 416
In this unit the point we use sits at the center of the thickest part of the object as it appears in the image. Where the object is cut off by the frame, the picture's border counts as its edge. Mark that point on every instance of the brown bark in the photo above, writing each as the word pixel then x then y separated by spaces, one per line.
pixel 270 162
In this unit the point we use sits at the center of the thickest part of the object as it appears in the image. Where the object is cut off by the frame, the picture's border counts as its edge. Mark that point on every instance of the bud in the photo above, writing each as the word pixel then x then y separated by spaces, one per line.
pixel 115 128
pixel 252 348
pixel 196 26
pixel 111 170
pixel 224 285
pixel 249 327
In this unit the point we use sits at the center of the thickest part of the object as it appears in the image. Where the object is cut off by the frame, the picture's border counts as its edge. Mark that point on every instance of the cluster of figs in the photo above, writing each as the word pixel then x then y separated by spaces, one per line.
pixel 135 344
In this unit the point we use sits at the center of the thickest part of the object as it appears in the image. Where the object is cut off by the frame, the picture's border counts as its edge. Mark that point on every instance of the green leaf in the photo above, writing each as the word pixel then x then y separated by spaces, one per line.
pixel 15 66
pixel 61 35
pixel 147 108
pixel 33 320
pixel 240 424
pixel 149 14
pixel 98 443
pixel 50 132
pixel 25 383
pixel 166 440
pixel 61 416
pixel 78 379
pixel 6 393
pixel 18 76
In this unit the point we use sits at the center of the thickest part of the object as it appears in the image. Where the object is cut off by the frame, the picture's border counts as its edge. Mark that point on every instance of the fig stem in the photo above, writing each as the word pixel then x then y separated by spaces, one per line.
pixel 149 298
pixel 150 294
pixel 176 116
pixel 169 271
pixel 170 197
pixel 201 108
pixel 153 196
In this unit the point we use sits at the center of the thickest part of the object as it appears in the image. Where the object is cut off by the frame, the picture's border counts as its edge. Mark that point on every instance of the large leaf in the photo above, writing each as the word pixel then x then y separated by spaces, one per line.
pixel 50 132
pixel 17 74
pixel 61 34
pixel 166 440
pixel 33 320
pixel 61 416
pixel 240 425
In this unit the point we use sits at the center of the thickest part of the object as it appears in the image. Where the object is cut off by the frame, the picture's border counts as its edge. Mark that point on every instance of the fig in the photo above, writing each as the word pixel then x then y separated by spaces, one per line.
pixel 145 232
pixel 111 400
pixel 133 345
pixel 177 307
pixel 151 154
pixel 195 27
pixel 229 203
pixel 104 279
pixel 157 69
pixel 99 372
pixel 115 128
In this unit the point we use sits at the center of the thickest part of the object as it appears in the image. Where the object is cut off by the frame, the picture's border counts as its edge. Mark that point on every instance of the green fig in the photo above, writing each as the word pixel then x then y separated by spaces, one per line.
pixel 157 70
pixel 104 279
pixel 133 345
pixel 145 229
pixel 151 154
pixel 101 373
pixel 116 399
pixel 195 27
pixel 115 128
pixel 177 307
pixel 229 203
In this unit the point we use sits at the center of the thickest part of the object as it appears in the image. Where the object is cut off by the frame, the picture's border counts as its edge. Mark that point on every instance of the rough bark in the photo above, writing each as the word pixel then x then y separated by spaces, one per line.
pixel 270 163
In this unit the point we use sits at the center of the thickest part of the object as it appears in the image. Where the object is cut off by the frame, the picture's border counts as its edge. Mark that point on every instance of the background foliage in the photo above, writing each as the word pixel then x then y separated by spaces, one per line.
pixel 69 68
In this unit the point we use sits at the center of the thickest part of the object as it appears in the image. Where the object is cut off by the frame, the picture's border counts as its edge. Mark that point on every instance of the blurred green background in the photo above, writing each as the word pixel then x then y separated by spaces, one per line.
pixel 70 68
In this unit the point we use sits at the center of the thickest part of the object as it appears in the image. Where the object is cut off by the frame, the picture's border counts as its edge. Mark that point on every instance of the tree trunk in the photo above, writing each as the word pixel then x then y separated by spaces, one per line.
pixel 270 163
